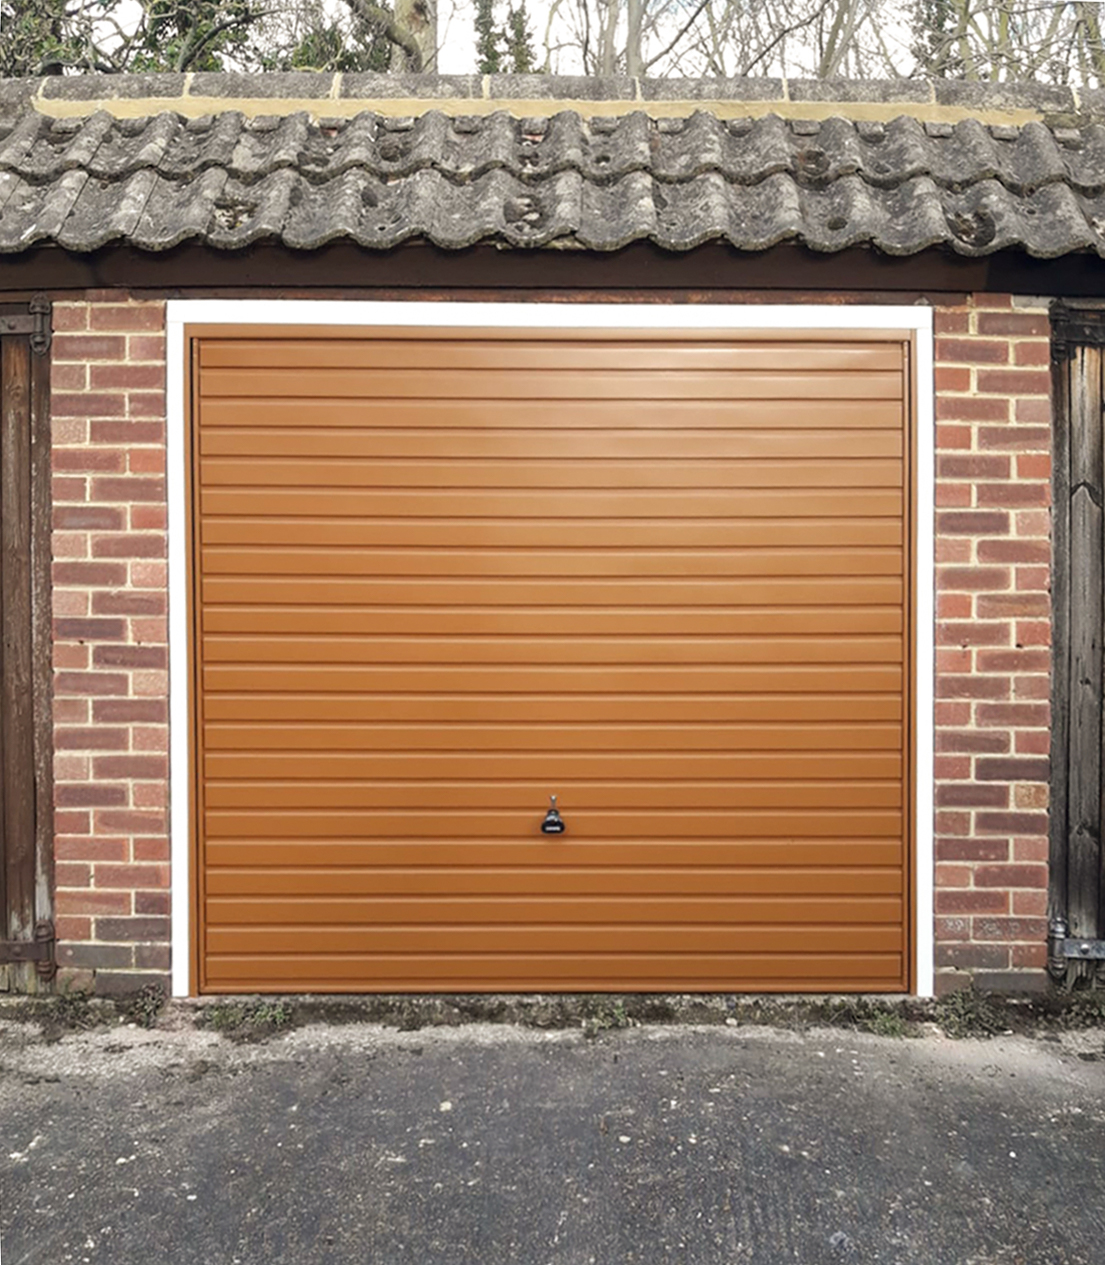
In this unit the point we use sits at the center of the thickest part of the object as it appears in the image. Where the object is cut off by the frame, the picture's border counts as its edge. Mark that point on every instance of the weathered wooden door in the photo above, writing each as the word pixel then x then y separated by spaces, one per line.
pixel 1077 899
pixel 26 887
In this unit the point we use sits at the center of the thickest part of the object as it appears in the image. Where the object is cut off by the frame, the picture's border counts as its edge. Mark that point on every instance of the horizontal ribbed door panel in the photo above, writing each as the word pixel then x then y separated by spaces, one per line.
pixel 441 576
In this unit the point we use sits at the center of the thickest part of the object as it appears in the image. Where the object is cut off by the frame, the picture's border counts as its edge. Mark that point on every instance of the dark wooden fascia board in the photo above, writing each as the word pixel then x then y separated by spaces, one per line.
pixel 638 268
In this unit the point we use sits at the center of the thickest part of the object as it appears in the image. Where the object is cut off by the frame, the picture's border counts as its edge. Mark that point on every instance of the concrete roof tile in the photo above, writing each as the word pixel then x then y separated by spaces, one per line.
pixel 177 211
pixel 709 90
pixel 108 87
pixel 986 95
pixel 365 86
pixel 278 86
pixel 864 90
pixel 279 173
pixel 106 211
pixel 561 88
pixel 37 212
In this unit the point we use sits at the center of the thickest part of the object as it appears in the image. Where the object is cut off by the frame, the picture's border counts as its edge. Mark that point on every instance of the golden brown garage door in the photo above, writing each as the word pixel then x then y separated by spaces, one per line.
pixel 443 576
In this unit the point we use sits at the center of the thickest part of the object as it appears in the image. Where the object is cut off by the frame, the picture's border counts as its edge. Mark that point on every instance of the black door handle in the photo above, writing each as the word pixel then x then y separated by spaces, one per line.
pixel 553 823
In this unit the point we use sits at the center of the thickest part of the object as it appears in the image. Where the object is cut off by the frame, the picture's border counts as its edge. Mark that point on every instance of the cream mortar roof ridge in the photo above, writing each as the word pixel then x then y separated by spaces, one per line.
pixel 406 107
pixel 533 96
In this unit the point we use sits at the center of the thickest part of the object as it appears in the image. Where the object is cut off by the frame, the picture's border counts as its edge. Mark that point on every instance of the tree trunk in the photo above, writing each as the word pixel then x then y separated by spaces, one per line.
pixel 633 39
pixel 419 19
pixel 1091 27
pixel 610 22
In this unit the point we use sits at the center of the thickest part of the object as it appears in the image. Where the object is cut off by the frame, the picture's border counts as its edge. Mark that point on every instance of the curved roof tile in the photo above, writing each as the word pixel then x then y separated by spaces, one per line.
pixel 233 177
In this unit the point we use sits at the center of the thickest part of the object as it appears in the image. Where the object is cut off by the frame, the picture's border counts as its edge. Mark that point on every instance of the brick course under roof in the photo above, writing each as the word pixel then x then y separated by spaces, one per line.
pixel 90 161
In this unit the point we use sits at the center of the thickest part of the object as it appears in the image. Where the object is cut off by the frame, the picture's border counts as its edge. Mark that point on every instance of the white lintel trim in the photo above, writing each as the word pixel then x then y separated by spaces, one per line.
pixel 362 315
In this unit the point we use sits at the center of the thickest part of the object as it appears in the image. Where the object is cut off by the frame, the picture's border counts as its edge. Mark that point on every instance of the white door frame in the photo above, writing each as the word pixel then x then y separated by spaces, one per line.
pixel 362 315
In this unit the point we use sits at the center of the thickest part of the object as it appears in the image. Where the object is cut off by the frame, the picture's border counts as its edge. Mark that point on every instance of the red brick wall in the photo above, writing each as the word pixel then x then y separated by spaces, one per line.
pixel 993 636
pixel 111 684
pixel 110 652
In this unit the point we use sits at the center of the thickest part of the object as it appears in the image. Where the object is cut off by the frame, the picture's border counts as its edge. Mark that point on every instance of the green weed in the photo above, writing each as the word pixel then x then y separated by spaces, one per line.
pixel 144 1006
pixel 969 1013
pixel 248 1020
pixel 602 1015
pixel 1085 1009
pixel 865 1014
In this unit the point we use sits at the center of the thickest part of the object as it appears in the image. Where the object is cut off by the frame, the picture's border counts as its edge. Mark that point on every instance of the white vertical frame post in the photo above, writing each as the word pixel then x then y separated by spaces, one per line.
pixel 924 618
pixel 180 693
pixel 363 315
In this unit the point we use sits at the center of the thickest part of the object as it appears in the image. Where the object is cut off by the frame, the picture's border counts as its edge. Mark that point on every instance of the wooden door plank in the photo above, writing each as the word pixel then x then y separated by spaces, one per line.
pixel 5 511
pixel 544 473
pixel 16 697
pixel 428 382
pixel 511 972
pixel 476 651
pixel 517 883
pixel 731 534
pixel 520 827
pixel 824 622
pixel 402 767
pixel 816 729
pixel 1087 525
pixel 674 857
pixel 1062 372
pixel 679 443
pixel 505 415
pixel 539 353
pixel 709 562
pixel 41 633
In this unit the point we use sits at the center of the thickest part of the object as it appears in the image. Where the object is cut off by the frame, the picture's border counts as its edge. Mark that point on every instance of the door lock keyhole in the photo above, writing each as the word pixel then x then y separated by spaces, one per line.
pixel 553 823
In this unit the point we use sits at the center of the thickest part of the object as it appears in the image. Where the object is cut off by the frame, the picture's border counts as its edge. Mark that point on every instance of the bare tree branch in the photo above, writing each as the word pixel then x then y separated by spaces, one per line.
pixel 193 48
pixel 648 65
pixel 792 29
pixel 397 34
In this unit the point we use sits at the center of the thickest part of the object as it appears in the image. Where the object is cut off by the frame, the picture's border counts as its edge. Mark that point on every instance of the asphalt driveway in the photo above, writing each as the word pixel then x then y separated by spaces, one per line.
pixel 487 1144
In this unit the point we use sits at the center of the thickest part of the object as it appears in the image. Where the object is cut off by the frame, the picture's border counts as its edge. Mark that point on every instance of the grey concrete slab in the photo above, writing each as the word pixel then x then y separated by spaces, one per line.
pixel 719 1146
